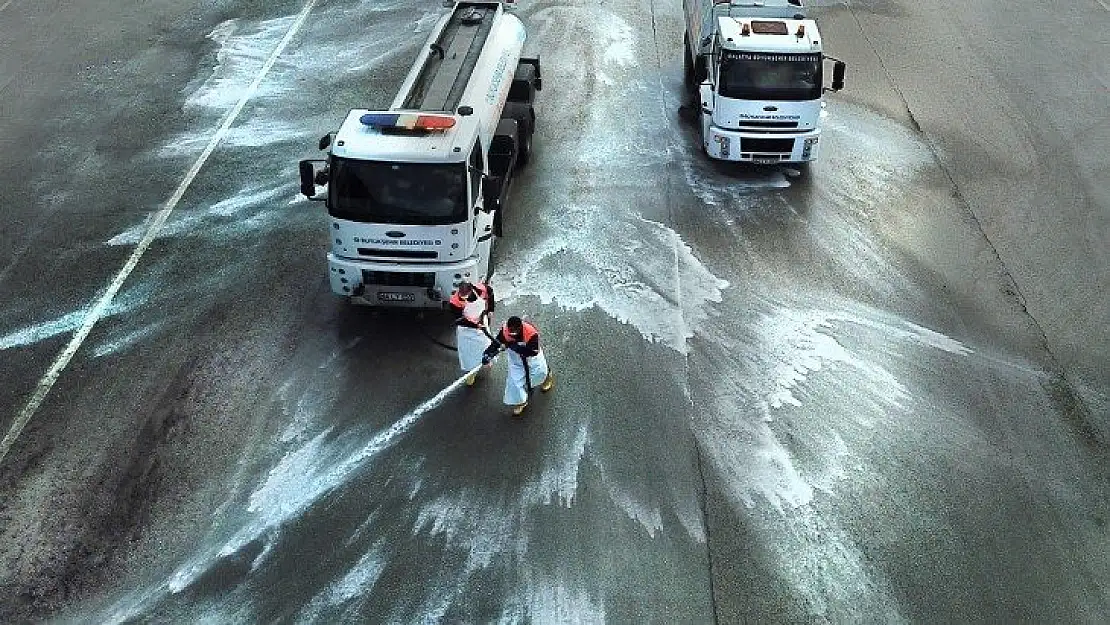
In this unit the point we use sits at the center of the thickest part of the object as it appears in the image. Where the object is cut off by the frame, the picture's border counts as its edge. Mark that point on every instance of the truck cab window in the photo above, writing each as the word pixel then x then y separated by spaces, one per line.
pixel 398 193
pixel 770 76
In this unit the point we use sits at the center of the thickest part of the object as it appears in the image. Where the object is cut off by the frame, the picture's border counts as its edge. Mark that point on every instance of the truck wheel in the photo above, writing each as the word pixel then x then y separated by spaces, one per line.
pixel 491 260
pixel 524 148
pixel 525 116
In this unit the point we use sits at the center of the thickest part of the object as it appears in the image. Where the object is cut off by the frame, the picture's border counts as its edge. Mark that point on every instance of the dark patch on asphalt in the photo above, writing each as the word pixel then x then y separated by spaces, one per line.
pixel 105 517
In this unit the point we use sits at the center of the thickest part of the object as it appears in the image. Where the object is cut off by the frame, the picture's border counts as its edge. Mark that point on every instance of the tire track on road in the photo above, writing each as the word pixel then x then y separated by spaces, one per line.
pixel 102 304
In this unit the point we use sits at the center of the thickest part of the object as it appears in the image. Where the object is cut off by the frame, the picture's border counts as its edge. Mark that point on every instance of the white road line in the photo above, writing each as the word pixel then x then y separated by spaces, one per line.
pixel 1104 4
pixel 101 305
pixel 6 5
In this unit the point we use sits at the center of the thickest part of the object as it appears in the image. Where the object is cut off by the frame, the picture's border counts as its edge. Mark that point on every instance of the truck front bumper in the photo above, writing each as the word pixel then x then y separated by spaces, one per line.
pixel 400 285
pixel 761 148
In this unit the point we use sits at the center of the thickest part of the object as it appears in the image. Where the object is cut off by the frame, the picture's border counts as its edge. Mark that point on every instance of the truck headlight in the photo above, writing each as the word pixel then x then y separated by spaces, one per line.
pixel 724 143
pixel 812 141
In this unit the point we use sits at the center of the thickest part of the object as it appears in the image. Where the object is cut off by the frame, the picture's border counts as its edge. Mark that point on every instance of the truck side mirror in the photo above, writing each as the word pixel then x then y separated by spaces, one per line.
pixel 491 193
pixel 325 141
pixel 838 76
pixel 310 178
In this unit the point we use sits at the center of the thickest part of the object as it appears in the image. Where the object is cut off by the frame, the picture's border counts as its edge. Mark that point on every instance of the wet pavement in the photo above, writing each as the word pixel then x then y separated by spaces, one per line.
pixel 874 394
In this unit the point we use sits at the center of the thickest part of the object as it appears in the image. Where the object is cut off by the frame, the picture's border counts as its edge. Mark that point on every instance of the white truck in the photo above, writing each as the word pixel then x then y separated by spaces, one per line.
pixel 415 193
pixel 755 69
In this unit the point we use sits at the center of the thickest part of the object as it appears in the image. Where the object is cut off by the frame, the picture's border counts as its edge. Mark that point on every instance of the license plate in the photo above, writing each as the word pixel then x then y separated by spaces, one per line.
pixel 765 161
pixel 390 296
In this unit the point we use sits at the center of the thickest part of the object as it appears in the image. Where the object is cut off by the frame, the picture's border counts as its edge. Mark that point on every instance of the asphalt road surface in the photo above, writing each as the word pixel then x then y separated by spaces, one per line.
pixel 876 394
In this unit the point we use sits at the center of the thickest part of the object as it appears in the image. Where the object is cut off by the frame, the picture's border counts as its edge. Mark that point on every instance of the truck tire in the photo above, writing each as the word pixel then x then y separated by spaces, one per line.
pixel 492 261
pixel 525 117
pixel 525 147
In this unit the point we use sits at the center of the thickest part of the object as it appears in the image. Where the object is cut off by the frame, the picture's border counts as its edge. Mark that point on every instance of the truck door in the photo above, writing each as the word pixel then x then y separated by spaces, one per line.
pixel 476 165
pixel 482 220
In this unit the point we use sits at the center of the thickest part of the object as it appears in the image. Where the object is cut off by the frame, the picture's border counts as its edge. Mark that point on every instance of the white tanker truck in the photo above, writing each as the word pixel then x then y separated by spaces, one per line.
pixel 415 193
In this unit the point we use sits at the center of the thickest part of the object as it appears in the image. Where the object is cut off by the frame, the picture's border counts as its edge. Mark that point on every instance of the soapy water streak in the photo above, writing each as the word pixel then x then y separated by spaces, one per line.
pixel 282 492
pixel 287 492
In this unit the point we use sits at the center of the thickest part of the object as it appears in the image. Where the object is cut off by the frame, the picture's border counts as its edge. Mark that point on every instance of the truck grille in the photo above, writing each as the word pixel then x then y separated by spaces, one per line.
pixel 399 278
pixel 366 251
pixel 749 144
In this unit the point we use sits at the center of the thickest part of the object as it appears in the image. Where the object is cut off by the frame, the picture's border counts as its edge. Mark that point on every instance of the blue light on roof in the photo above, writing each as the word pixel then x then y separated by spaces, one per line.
pixel 379 120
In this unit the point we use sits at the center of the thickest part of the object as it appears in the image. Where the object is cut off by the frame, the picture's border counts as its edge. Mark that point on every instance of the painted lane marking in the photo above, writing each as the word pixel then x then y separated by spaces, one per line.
pixel 101 306
pixel 6 5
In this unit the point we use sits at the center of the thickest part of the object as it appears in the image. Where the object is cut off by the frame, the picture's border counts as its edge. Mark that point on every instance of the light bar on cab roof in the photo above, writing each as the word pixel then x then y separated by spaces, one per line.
pixel 408 121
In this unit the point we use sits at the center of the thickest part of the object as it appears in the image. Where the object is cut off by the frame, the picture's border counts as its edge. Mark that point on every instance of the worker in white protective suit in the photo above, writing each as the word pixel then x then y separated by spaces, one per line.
pixel 473 305
pixel 527 364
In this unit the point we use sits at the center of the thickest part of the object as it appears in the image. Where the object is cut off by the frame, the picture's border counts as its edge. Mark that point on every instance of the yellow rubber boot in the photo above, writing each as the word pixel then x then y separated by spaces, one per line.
pixel 548 383
pixel 519 408
pixel 470 379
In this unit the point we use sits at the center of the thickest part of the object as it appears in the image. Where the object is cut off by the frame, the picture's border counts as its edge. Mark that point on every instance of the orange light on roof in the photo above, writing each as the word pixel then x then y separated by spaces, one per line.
pixel 745 30
pixel 801 30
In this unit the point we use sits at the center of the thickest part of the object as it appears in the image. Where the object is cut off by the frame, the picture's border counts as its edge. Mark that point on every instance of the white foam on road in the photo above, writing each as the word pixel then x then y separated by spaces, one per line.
pixel 258 132
pixel 557 483
pixel 795 344
pixel 469 521
pixel 592 42
pixel 731 192
pixel 32 334
pixel 490 530
pixel 70 322
pixel 300 479
pixel 244 48
pixel 356 583
pixel 624 265
pixel 781 457
pixel 550 600
pixel 236 213
pixel 617 37
pixel 303 401
pixel 825 567
pixel 770 372
pixel 126 341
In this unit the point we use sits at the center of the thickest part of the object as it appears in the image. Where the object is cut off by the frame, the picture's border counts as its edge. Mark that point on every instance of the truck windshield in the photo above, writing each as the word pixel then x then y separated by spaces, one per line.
pixel 765 76
pixel 398 193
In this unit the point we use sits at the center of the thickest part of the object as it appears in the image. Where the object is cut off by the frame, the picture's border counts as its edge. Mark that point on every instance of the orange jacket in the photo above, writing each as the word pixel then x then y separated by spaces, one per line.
pixel 458 304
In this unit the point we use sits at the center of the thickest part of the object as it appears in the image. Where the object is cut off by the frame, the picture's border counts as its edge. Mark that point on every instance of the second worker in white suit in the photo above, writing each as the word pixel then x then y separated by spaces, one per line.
pixel 527 364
